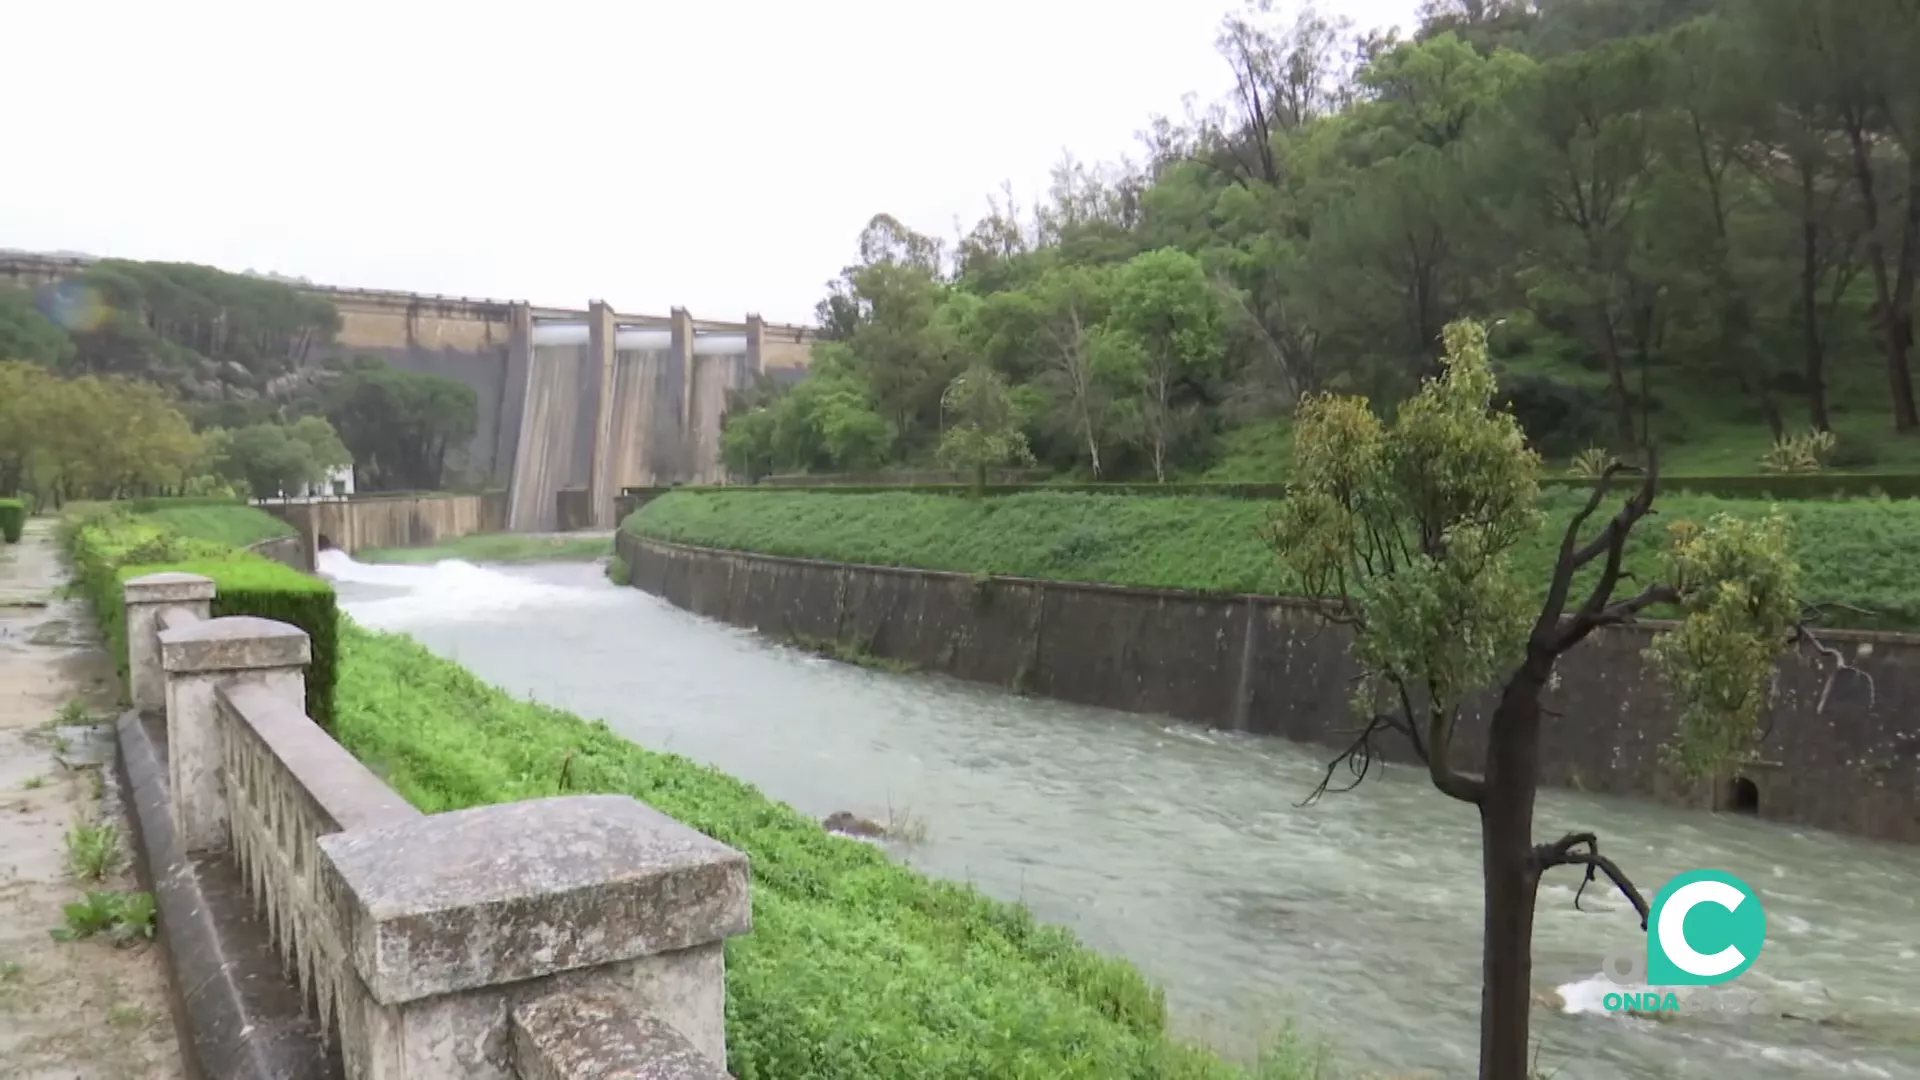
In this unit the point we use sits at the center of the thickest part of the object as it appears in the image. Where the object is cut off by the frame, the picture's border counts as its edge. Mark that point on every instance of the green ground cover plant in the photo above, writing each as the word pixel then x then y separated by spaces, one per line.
pixel 1861 553
pixel 857 968
pixel 230 524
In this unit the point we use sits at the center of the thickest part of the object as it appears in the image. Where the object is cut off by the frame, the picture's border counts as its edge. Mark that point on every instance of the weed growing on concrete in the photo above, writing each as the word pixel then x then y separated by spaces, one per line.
pixel 93 851
pixel 618 572
pixel 10 970
pixel 74 714
pixel 125 1016
pixel 122 917
pixel 34 783
pixel 848 651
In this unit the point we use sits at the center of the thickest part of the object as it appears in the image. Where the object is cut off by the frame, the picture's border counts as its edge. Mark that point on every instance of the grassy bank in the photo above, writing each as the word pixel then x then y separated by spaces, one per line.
pixel 499 548
pixel 230 525
pixel 857 968
pixel 1864 553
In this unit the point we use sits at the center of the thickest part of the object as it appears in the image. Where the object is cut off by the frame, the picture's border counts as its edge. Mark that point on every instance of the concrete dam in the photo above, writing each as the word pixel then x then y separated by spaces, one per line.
pixel 580 402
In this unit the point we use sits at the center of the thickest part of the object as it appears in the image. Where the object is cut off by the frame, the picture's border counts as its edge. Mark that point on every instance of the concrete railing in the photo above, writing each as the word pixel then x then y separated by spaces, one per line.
pixel 561 939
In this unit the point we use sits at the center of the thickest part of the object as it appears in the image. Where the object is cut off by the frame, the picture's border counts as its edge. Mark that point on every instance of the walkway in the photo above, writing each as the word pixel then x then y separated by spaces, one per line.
pixel 81 1010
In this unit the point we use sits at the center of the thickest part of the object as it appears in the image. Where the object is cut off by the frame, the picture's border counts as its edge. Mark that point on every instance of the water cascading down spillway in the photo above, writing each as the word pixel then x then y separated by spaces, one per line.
pixel 659 423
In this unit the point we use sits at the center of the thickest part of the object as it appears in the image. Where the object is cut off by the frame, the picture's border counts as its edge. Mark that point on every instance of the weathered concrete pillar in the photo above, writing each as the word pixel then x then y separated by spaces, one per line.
pixel 681 362
pixel 453 921
pixel 201 657
pixel 756 344
pixel 146 597
pixel 589 1036
pixel 513 398
pixel 601 356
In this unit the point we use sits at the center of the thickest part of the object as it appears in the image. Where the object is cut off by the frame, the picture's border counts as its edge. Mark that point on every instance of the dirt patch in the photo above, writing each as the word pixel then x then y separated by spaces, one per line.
pixel 73 1010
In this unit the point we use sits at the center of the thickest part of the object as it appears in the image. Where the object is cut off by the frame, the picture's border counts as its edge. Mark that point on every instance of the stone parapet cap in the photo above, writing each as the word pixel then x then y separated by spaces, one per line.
pixel 497 894
pixel 233 643
pixel 587 1036
pixel 343 792
pixel 167 588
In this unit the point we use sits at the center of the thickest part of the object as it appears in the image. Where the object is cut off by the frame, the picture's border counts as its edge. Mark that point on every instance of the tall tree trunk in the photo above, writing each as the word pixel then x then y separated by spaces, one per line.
pixel 1616 379
pixel 1093 444
pixel 1893 337
pixel 1904 277
pixel 1510 879
pixel 1817 410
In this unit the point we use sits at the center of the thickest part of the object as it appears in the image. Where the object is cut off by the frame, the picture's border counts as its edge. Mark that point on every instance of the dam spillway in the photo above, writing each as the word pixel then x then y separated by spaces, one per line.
pixel 612 403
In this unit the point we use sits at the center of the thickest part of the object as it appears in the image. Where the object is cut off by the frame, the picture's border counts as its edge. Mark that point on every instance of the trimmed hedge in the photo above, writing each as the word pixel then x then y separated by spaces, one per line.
pixel 1791 487
pixel 110 546
pixel 13 519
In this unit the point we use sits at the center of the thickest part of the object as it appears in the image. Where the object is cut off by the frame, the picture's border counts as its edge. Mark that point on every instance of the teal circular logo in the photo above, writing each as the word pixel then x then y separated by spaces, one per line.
pixel 1705 928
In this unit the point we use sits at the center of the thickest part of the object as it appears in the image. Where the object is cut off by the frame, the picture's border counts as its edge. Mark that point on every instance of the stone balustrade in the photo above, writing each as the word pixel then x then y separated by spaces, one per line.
pixel 568 938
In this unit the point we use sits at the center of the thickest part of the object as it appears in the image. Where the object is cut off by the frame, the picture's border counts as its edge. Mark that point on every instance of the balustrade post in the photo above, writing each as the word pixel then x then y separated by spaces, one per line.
pixel 146 599
pixel 200 658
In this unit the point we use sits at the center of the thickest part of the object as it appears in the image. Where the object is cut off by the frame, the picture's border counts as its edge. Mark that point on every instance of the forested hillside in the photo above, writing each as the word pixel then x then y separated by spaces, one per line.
pixel 1688 222
pixel 146 378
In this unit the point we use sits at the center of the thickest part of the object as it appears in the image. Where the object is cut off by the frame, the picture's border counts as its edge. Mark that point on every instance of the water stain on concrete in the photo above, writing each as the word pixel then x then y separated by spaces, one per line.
pixel 82 1010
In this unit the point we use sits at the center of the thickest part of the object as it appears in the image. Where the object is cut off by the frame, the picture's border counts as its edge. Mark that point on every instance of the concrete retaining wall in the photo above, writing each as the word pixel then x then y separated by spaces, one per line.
pixel 368 522
pixel 286 550
pixel 1266 665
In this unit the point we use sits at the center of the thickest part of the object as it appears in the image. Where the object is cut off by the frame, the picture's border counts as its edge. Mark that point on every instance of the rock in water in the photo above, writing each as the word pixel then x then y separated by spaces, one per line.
pixel 852 825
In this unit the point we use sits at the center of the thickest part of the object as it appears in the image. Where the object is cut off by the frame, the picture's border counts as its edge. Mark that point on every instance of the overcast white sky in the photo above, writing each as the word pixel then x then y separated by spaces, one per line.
pixel 716 155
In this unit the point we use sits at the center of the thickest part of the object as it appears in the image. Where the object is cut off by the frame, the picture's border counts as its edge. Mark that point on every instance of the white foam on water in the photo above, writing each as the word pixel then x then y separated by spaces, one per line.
pixel 449 589
pixel 1585 995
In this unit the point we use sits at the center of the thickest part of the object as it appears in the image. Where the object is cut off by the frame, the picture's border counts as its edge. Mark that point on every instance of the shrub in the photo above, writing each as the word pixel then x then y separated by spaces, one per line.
pixel 249 584
pixel 13 519
pixel 1798 454
pixel 1558 417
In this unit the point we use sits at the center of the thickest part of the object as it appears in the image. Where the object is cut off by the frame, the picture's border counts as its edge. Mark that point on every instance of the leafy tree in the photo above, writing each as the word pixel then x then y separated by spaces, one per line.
pixel 399 426
pixel 272 459
pixel 63 438
pixel 1406 530
pixel 1173 316
pixel 746 442
pixel 982 428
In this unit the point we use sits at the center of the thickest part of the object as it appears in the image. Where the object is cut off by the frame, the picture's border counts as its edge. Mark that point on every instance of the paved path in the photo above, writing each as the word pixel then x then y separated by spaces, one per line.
pixel 83 1010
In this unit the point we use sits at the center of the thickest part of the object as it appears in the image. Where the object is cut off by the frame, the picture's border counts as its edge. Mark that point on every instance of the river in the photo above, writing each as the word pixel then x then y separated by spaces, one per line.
pixel 1183 849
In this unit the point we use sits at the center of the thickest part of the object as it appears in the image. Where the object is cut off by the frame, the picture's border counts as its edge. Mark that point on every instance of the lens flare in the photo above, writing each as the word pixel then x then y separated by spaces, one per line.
pixel 77 306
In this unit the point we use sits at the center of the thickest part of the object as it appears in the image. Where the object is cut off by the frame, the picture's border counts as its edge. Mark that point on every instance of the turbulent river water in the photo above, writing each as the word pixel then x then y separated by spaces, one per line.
pixel 1357 918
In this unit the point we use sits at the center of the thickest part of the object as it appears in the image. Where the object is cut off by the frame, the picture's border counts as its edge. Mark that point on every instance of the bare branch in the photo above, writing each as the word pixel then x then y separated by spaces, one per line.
pixel 1357 757
pixel 1804 636
pixel 1564 567
pixel 1612 541
pixel 1567 851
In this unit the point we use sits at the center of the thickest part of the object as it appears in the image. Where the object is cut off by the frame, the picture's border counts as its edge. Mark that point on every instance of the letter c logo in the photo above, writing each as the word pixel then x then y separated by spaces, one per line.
pixel 1672 928
pixel 1733 919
